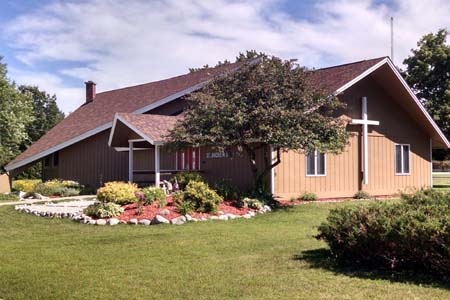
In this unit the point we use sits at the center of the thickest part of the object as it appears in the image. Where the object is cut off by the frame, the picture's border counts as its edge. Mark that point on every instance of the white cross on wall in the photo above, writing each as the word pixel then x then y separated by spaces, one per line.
pixel 365 122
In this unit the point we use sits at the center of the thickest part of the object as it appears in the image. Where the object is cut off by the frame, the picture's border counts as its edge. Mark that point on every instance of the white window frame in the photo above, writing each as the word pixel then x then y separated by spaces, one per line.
pixel 315 165
pixel 401 158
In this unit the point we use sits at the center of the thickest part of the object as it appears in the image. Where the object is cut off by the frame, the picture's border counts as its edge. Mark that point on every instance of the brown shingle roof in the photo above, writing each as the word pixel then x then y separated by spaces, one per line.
pixel 155 127
pixel 332 78
pixel 101 111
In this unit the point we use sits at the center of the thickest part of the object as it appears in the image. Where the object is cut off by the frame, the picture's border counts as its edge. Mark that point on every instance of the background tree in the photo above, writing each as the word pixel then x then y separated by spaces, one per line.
pixel 428 73
pixel 46 115
pixel 15 115
pixel 267 101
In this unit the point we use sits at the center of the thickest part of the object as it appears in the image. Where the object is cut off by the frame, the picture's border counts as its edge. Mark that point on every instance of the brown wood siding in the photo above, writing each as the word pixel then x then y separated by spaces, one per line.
pixel 344 171
pixel 92 162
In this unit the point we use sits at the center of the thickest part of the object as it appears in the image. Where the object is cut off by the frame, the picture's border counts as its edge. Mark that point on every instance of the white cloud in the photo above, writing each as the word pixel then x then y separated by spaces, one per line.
pixel 128 42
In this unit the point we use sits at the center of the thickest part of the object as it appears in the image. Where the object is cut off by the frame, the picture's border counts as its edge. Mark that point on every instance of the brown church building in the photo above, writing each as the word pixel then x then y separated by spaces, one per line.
pixel 120 135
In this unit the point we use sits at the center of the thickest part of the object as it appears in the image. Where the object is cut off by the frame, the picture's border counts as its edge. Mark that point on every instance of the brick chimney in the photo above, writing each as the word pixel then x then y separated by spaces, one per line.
pixel 90 91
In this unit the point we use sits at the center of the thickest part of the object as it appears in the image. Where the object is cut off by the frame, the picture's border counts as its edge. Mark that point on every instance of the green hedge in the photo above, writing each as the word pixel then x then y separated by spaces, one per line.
pixel 413 234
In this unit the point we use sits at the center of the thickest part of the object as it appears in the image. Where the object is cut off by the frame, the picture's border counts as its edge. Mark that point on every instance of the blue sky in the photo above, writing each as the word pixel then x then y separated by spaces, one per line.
pixel 58 45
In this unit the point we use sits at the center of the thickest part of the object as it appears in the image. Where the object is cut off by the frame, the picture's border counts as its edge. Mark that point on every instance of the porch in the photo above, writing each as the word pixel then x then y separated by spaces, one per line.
pixel 143 137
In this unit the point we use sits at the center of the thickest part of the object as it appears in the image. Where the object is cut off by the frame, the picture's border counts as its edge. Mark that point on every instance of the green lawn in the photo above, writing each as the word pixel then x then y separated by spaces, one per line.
pixel 272 256
pixel 441 181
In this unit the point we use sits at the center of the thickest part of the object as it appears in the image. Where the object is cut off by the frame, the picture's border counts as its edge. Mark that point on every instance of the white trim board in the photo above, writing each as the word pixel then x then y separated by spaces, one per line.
pixel 103 127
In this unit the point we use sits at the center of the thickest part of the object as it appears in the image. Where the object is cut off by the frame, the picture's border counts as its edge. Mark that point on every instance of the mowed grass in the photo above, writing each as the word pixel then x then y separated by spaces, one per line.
pixel 273 256
pixel 441 181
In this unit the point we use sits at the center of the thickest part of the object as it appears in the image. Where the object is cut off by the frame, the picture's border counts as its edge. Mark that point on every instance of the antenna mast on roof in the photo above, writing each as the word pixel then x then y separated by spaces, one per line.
pixel 392 39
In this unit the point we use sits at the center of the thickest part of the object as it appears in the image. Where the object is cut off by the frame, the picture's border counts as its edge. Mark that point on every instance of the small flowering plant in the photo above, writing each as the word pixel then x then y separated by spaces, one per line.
pixel 140 196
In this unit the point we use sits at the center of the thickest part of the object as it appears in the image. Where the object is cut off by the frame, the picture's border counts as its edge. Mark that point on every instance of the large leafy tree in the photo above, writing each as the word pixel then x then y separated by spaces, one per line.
pixel 46 115
pixel 428 73
pixel 15 115
pixel 265 102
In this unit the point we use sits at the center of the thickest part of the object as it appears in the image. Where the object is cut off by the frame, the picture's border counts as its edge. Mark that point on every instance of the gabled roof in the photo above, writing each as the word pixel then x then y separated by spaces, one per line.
pixel 152 128
pixel 96 116
pixel 90 119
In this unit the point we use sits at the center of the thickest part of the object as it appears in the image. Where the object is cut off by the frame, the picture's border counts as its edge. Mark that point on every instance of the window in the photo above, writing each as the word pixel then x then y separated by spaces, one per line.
pixel 55 159
pixel 402 159
pixel 315 164
pixel 47 162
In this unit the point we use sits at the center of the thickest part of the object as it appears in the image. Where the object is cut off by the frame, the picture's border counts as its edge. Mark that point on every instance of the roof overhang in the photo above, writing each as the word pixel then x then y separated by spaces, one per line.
pixel 387 75
pixel 123 132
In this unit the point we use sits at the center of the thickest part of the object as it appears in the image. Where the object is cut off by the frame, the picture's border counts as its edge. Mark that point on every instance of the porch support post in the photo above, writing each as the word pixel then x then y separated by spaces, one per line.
pixel 130 161
pixel 157 166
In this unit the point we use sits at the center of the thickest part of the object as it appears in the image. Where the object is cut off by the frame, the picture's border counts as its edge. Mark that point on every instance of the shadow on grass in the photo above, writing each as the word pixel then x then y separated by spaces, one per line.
pixel 323 259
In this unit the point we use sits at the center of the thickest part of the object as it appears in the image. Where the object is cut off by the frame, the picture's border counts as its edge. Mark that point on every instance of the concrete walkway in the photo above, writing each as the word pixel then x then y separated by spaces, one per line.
pixel 31 201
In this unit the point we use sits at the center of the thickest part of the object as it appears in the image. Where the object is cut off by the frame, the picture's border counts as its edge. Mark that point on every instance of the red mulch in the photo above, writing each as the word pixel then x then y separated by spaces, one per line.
pixel 150 211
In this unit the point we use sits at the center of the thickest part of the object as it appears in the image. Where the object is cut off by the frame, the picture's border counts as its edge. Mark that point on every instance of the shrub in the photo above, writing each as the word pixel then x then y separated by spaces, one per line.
pixel 9 197
pixel 118 192
pixel 308 197
pixel 250 203
pixel 49 189
pixel 25 185
pixel 292 199
pixel 88 190
pixel 162 202
pixel 362 195
pixel 412 234
pixel 70 192
pixel 201 197
pixel 103 210
pixel 184 208
pixel 226 189
pixel 152 194
pixel 184 178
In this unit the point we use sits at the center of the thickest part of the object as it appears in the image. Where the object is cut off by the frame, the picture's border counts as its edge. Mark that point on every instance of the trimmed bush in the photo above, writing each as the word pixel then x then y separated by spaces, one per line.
pixel 226 189
pixel 25 185
pixel 103 210
pixel 152 194
pixel 118 192
pixel 201 197
pixel 184 208
pixel 308 197
pixel 184 178
pixel 362 195
pixel 51 189
pixel 411 235
pixel 9 197
pixel 250 203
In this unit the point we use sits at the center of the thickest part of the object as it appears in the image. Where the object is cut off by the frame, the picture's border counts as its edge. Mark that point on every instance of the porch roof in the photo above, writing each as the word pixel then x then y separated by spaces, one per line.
pixel 151 128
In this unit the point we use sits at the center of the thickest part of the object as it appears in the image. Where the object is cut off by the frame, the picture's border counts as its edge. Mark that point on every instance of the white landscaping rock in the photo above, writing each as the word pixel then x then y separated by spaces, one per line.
pixel 113 221
pixel 22 194
pixel 247 216
pixel 267 208
pixel 223 217
pixel 101 222
pixel 133 221
pixel 251 213
pixel 159 220
pixel 144 222
pixel 213 218
pixel 179 220
pixel 231 216
pixel 92 222
pixel 188 217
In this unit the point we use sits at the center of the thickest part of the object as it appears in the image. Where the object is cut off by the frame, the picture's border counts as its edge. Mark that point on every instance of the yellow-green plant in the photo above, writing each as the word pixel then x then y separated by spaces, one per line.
pixel 202 197
pixel 118 192
pixel 25 185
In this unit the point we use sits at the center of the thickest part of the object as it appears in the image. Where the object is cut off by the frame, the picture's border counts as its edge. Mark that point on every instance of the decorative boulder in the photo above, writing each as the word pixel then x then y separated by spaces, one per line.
pixel 113 221
pixel 133 221
pixel 144 222
pixel 159 220
pixel 223 217
pixel 179 220
pixel 101 222
pixel 267 208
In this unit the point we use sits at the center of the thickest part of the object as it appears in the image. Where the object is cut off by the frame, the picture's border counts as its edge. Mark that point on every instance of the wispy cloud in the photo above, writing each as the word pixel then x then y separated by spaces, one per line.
pixel 121 43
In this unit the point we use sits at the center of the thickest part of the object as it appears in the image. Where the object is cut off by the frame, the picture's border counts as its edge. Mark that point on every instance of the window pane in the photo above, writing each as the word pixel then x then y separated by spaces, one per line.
pixel 398 158
pixel 310 164
pixel 55 159
pixel 320 164
pixel 405 159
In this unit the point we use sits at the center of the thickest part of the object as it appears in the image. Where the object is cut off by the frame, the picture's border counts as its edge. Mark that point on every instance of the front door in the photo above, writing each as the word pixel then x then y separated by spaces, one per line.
pixel 188 159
